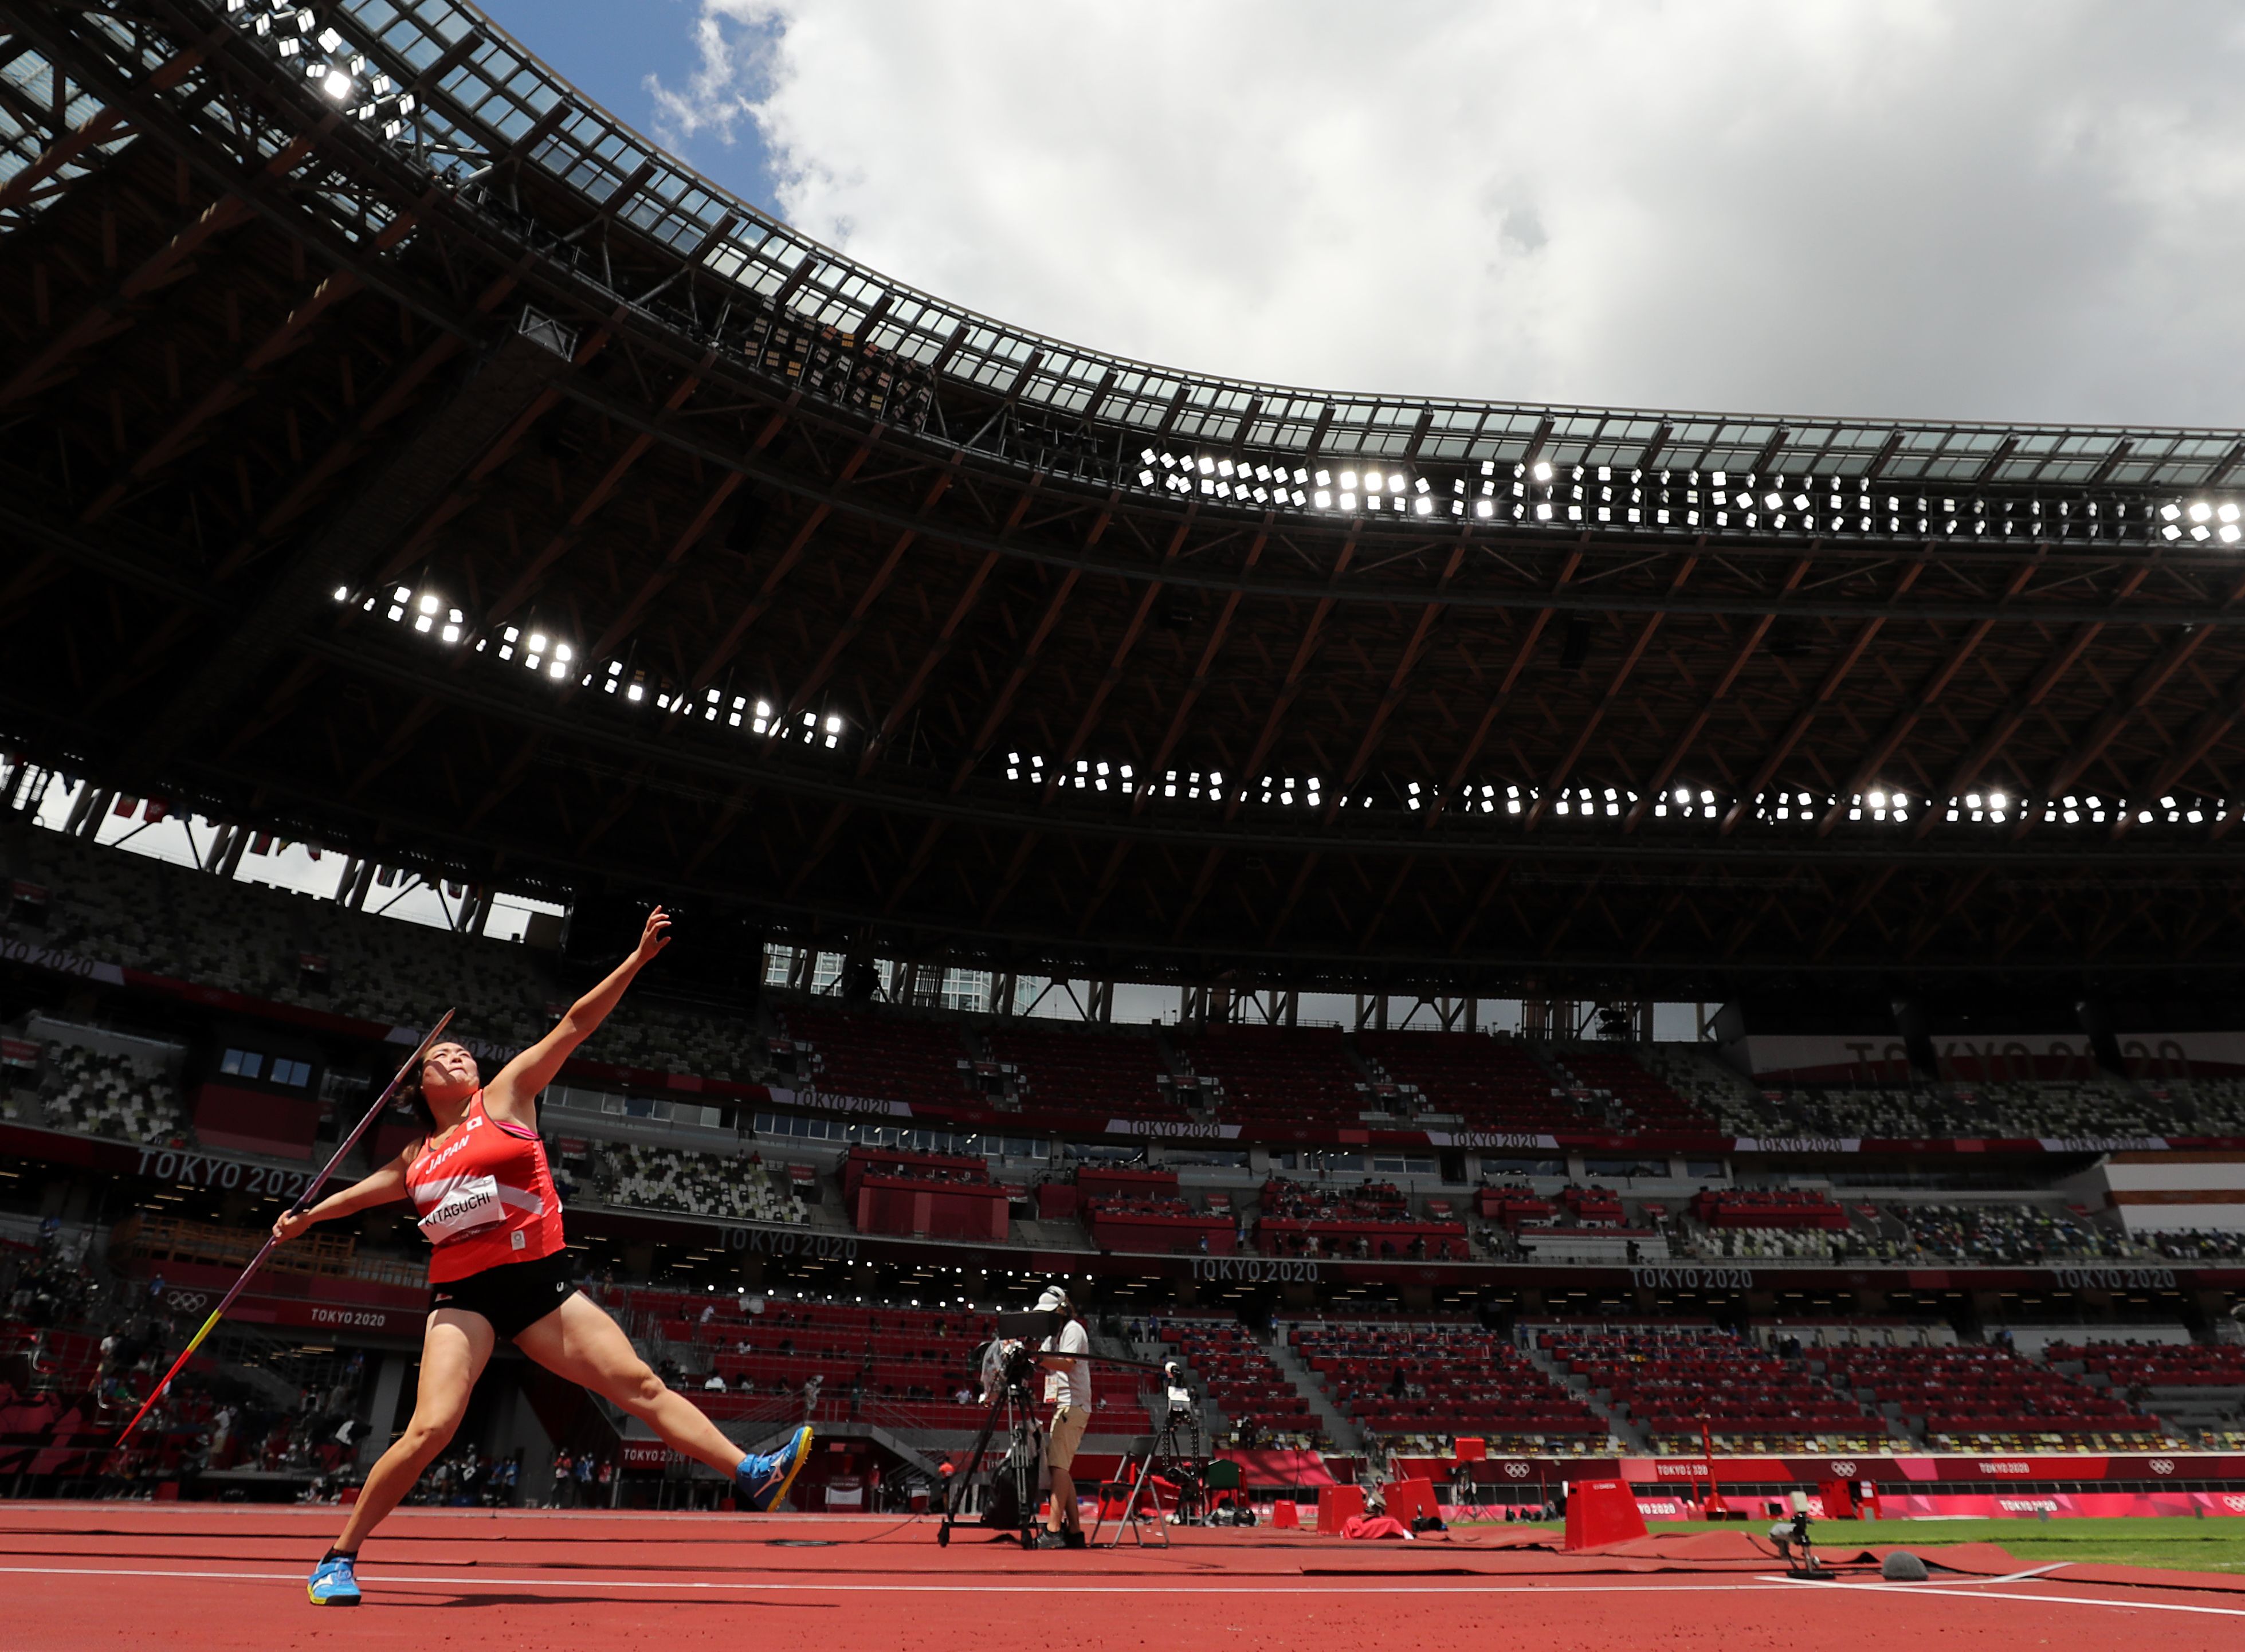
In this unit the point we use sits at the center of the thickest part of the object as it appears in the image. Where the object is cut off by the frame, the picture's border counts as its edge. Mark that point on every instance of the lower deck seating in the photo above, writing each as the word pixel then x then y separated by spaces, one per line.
pixel 1673 1382
pixel 905 1367
pixel 1419 1380
pixel 2164 1365
pixel 1244 1381
pixel 1981 1399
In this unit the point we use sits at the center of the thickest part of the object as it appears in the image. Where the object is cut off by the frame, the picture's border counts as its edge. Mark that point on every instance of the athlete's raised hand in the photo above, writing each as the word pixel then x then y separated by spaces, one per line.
pixel 653 936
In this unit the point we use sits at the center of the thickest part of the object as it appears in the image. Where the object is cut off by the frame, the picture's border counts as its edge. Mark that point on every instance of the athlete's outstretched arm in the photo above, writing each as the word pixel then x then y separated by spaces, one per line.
pixel 514 1094
pixel 385 1186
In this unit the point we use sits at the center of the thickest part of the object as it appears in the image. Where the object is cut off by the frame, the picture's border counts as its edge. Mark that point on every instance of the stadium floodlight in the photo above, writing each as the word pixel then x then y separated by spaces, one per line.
pixel 1348 501
pixel 1322 499
pixel 2200 511
pixel 1485 508
pixel 1543 471
pixel 343 594
pixel 337 84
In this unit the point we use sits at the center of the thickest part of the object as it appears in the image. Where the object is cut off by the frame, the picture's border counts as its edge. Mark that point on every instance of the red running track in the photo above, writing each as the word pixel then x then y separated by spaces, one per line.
pixel 201 1578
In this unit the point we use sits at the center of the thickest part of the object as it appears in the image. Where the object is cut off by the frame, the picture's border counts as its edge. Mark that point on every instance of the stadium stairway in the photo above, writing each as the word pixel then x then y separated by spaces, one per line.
pixel 1341 1429
pixel 1629 1433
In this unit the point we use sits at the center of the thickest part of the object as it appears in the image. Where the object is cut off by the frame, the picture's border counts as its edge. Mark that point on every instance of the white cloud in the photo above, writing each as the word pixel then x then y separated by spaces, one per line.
pixel 1947 209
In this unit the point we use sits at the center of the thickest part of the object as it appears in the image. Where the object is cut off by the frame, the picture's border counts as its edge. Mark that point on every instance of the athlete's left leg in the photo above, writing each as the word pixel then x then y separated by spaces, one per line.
pixel 576 1340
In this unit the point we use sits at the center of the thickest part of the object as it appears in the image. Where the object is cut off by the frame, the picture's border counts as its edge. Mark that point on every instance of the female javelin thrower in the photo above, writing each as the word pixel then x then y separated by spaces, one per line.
pixel 486 1202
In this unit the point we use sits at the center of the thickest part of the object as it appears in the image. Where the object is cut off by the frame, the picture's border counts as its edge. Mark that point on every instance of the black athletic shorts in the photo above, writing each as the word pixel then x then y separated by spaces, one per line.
pixel 514 1296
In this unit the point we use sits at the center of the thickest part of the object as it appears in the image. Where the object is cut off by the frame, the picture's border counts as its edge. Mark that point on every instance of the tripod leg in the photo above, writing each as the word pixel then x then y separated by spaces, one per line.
pixel 1130 1503
pixel 974 1467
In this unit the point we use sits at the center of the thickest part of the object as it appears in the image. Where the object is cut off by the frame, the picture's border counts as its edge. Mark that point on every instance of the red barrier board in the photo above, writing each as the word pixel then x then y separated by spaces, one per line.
pixel 1601 1512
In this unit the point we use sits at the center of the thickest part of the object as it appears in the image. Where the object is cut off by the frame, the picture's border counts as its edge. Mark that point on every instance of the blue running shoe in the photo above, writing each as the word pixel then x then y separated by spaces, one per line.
pixel 764 1480
pixel 334 1583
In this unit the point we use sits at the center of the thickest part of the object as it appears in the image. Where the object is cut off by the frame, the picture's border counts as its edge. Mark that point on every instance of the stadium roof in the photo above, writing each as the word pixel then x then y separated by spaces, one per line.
pixel 407 455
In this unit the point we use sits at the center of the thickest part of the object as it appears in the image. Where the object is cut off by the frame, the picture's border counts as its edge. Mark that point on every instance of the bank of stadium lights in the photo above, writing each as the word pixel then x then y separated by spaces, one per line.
pixel 1286 791
pixel 1683 804
pixel 1879 805
pixel 1090 774
pixel 1786 806
pixel 1544 493
pixel 537 651
pixel 425 611
pixel 2200 520
pixel 325 60
pixel 1591 803
pixel 1220 476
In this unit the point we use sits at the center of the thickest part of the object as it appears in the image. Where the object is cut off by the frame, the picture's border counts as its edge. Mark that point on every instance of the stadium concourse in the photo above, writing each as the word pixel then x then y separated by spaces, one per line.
pixel 453 526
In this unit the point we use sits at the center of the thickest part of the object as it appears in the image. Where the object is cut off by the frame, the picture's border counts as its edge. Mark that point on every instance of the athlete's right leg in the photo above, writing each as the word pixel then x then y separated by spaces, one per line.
pixel 452 1356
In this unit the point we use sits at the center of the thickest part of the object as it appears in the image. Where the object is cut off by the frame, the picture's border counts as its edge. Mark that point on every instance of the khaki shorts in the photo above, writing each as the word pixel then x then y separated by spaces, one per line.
pixel 1069 1422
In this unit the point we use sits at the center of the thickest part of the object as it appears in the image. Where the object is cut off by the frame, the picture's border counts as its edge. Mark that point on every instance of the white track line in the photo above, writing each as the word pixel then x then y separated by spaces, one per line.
pixel 1961 1582
pixel 1060 1586
pixel 2052 1600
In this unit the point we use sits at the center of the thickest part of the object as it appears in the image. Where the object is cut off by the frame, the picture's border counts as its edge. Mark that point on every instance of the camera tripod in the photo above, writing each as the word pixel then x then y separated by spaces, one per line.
pixel 1165 1450
pixel 1016 1475
pixel 1017 1472
pixel 1795 1551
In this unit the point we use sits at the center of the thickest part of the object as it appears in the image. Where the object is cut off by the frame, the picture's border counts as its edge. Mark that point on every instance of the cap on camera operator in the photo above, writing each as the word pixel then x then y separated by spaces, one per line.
pixel 1068 1385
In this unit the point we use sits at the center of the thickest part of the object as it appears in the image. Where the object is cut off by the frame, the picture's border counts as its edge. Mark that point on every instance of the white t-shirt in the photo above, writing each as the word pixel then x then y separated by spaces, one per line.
pixel 1069 1384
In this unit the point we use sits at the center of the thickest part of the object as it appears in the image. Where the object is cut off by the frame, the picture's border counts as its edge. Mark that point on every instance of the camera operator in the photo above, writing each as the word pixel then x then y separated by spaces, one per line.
pixel 1068 1385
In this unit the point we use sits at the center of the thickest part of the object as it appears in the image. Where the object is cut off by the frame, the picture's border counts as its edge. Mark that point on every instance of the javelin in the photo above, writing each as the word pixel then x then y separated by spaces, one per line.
pixel 303 1203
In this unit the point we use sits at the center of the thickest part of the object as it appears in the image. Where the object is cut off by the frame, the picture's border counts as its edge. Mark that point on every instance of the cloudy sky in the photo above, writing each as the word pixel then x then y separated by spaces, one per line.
pixel 2026 210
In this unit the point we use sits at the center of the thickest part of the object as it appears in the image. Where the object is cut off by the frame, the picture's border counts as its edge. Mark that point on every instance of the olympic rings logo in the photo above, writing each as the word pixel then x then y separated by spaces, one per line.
pixel 2163 1466
pixel 1843 1471
pixel 187 1301
pixel 1518 1471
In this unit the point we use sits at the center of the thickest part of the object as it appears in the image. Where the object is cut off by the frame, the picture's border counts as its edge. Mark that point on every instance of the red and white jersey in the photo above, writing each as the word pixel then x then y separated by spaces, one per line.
pixel 485 1198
